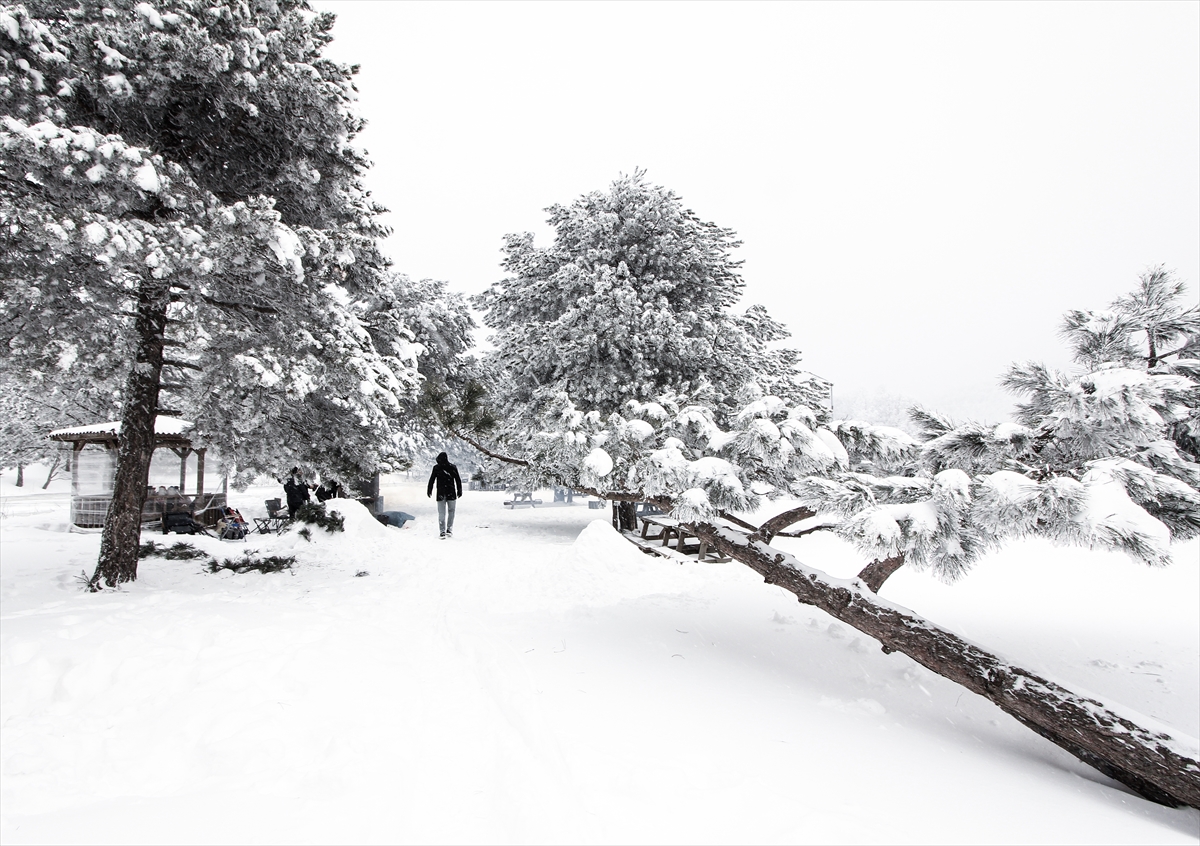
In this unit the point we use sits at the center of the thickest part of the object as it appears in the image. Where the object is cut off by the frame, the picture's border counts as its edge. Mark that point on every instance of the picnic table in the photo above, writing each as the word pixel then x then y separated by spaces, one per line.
pixel 661 527
pixel 523 498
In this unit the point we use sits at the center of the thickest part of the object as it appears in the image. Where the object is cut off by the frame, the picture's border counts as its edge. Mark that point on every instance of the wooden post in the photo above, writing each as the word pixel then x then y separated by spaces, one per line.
pixel 76 448
pixel 200 472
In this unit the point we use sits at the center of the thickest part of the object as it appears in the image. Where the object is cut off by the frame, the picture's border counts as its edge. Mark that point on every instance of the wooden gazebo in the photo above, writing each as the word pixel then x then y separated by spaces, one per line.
pixel 176 480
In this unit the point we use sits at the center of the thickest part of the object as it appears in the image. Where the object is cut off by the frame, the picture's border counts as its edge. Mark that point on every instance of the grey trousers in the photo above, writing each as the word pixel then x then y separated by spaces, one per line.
pixel 446 515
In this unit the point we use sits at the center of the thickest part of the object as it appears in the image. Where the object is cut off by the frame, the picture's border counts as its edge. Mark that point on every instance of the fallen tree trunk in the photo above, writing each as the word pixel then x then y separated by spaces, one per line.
pixel 1154 765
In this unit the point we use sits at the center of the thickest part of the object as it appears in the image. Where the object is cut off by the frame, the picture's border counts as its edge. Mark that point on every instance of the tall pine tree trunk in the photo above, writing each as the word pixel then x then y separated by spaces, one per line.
pixel 20 475
pixel 123 525
pixel 1154 765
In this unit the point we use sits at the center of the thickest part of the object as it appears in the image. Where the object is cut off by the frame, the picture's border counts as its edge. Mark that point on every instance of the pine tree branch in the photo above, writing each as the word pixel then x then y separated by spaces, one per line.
pixel 615 496
pixel 824 527
pixel 737 521
pixel 238 306
pixel 779 522
pixel 505 458
pixel 187 365
pixel 878 571
pixel 1176 351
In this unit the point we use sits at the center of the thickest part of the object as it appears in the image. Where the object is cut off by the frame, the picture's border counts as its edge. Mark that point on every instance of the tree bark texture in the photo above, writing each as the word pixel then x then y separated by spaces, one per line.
pixel 878 571
pixel 20 475
pixel 123 525
pixel 1153 764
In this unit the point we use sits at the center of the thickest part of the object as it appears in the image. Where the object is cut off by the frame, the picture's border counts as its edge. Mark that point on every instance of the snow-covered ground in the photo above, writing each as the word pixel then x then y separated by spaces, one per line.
pixel 537 679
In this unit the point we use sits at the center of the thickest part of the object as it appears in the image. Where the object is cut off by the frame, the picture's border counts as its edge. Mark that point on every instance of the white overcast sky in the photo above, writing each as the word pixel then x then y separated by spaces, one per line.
pixel 921 189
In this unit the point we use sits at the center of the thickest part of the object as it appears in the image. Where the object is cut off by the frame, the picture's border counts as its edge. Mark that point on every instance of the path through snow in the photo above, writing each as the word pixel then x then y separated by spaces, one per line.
pixel 537 679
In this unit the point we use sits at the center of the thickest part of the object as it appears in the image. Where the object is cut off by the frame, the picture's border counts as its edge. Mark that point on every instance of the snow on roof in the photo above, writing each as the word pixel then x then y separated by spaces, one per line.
pixel 162 426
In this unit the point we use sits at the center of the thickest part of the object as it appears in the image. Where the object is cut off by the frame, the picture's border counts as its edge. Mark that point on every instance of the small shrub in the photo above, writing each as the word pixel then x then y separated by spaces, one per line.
pixel 270 564
pixel 305 533
pixel 179 551
pixel 314 513
pixel 362 573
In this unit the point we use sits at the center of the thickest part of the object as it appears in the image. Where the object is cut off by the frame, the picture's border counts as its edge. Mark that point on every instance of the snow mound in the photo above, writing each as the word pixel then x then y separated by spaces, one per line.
pixel 607 569
pixel 600 545
pixel 360 525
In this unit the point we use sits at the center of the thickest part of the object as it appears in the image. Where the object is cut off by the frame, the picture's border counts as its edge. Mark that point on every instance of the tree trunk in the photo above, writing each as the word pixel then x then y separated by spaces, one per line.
pixel 20 475
pixel 1154 765
pixel 123 525
pixel 628 513
pixel 53 469
pixel 624 515
pixel 877 572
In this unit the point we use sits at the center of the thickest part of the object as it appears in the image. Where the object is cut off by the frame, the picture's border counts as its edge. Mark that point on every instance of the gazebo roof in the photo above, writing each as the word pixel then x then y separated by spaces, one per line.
pixel 167 430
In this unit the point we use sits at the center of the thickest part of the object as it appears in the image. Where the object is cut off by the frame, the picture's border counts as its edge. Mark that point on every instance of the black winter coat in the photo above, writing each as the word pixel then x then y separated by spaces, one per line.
pixel 445 474
pixel 296 492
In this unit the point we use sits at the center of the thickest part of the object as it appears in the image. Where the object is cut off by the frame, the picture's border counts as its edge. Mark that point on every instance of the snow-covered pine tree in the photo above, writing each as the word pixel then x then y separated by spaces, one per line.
pixel 40 402
pixel 439 319
pixel 22 442
pixel 1103 457
pixel 633 298
pixel 203 221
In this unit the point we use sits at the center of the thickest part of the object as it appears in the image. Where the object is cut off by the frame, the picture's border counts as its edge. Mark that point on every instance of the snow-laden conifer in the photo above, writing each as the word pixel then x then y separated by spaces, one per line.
pixel 633 298
pixel 178 187
pixel 1101 457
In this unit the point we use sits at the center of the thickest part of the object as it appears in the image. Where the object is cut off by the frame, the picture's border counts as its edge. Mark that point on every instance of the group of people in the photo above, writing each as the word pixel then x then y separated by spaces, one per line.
pixel 296 488
pixel 444 478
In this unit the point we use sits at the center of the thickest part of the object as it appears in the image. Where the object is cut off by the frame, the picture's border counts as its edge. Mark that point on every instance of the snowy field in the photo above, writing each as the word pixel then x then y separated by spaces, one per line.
pixel 537 679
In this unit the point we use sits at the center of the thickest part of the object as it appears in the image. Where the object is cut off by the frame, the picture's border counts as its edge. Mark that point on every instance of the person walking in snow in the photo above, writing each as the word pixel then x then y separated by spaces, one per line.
pixel 449 489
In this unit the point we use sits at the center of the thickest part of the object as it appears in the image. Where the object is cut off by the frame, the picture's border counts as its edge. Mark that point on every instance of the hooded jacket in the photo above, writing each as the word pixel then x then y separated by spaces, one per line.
pixel 445 474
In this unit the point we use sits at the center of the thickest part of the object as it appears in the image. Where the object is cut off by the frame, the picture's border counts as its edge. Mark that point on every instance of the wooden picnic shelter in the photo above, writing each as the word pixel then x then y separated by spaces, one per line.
pixel 176 482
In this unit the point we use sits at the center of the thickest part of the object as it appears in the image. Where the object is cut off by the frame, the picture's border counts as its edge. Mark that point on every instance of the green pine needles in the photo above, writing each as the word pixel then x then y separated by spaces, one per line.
pixel 315 514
